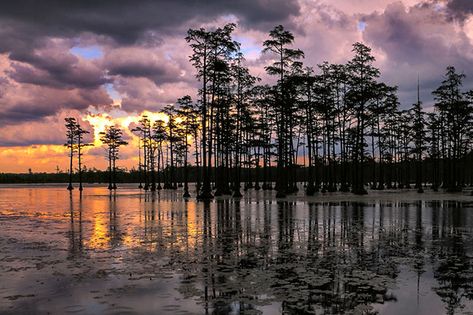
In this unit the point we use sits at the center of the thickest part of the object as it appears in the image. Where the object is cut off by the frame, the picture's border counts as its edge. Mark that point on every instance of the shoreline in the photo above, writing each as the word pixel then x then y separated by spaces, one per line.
pixel 256 196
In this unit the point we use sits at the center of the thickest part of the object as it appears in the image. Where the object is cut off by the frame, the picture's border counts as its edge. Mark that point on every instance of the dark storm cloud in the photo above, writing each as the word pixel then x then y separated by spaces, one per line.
pixel 398 33
pixel 39 131
pixel 127 21
pixel 460 9
pixel 418 41
pixel 31 103
pixel 14 142
pixel 138 62
pixel 68 76
pixel 139 69
pixel 25 112
pixel 37 36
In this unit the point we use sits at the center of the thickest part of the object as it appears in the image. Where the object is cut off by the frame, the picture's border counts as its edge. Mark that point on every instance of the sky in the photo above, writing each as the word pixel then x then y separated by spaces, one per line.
pixel 106 62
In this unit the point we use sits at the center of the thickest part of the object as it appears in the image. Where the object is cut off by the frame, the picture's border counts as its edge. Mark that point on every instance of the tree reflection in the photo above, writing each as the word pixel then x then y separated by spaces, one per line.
pixel 115 235
pixel 453 270
pixel 335 257
pixel 76 244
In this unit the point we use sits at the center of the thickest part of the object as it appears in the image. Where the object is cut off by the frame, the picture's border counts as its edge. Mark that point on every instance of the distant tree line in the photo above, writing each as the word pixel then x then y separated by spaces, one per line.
pixel 89 176
pixel 335 127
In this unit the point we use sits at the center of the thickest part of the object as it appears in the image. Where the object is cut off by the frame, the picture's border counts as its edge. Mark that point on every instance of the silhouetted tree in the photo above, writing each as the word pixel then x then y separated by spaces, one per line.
pixel 112 137
pixel 172 138
pixel 187 113
pixel 80 145
pixel 144 134
pixel 456 115
pixel 336 127
pixel 418 128
pixel 159 136
pixel 362 80
pixel 71 134
pixel 278 44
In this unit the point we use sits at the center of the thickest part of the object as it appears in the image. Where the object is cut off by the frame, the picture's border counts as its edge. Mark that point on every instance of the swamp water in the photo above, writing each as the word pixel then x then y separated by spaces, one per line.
pixel 132 252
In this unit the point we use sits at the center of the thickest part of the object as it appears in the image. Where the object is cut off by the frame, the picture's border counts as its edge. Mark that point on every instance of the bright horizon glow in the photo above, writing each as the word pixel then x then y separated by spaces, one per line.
pixel 46 158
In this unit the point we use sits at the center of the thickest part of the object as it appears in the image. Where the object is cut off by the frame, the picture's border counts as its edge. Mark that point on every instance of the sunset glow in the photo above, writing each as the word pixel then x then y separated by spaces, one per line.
pixel 91 74
pixel 236 157
pixel 47 157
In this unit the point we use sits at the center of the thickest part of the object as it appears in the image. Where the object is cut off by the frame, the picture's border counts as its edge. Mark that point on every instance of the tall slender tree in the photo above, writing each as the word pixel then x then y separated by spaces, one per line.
pixel 112 137
pixel 456 113
pixel 159 136
pixel 80 145
pixel 173 139
pixel 419 122
pixel 362 81
pixel 200 42
pixel 71 134
pixel 278 43
pixel 187 113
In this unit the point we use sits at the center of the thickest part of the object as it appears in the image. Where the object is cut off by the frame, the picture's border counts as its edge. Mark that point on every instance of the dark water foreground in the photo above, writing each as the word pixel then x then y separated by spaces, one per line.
pixel 132 253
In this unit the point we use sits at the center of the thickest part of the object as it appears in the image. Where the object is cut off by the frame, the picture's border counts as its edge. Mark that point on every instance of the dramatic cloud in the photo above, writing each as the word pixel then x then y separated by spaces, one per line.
pixel 66 74
pixel 46 76
pixel 27 102
pixel 49 130
pixel 128 21
pixel 417 41
pixel 89 57
pixel 141 62
pixel 460 9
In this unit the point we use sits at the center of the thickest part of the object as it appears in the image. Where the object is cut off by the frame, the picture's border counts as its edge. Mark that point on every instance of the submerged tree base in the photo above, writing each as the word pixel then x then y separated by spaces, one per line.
pixel 360 191
pixel 237 194
pixel 280 194
pixel 454 189
pixel 205 194
pixel 310 190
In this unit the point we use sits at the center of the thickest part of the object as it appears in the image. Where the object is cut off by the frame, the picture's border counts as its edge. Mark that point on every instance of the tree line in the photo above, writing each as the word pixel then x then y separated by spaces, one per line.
pixel 335 127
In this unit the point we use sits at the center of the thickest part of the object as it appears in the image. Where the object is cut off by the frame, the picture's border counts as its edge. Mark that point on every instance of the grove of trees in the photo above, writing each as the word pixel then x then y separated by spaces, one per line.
pixel 332 127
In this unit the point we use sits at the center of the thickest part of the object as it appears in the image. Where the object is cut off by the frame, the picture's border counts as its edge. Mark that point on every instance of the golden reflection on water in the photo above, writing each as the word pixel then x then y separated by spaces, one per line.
pixel 347 254
pixel 96 213
pixel 192 224
pixel 168 224
pixel 100 237
pixel 108 230
pixel 142 221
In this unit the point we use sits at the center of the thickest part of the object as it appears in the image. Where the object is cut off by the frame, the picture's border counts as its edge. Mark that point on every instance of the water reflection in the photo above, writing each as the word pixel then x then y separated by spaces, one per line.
pixel 342 257
pixel 453 270
pixel 76 246
pixel 257 255
pixel 115 235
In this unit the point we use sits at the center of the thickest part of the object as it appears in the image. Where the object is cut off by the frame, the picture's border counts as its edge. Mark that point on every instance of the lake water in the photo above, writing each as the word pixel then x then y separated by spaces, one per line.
pixel 132 252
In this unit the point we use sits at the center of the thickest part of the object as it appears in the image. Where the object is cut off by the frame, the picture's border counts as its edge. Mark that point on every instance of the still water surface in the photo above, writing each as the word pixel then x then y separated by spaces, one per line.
pixel 135 253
